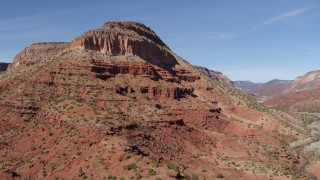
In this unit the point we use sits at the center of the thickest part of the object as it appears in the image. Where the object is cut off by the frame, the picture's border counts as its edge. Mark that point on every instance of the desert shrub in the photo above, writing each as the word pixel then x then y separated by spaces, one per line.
pixel 220 176
pixel 313 149
pixel 173 167
pixel 154 162
pixel 44 172
pixel 130 166
pixel 151 172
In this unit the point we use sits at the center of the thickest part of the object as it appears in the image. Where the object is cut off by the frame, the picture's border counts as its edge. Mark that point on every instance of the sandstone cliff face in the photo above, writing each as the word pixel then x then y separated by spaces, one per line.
pixel 145 69
pixel 36 53
pixel 126 38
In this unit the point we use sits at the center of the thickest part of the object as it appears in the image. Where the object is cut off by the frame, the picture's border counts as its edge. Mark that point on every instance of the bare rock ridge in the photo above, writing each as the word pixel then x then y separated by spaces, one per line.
pixel 216 75
pixel 138 28
pixel 126 38
pixel 37 52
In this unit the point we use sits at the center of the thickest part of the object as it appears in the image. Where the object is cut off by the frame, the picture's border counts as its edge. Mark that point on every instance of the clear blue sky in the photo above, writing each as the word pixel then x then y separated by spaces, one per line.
pixel 255 40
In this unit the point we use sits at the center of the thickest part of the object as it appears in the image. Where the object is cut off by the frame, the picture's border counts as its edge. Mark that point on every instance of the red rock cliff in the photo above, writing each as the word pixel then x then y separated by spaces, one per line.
pixel 126 38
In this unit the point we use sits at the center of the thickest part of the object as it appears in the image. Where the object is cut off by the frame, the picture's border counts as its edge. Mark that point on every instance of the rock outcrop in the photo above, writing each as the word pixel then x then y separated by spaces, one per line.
pixel 36 53
pixel 145 69
pixel 129 39
pixel 216 75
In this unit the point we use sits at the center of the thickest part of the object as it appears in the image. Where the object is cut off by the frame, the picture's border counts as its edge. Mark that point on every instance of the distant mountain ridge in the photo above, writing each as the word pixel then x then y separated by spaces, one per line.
pixel 246 85
pixel 263 89
pixel 301 94
pixel 216 75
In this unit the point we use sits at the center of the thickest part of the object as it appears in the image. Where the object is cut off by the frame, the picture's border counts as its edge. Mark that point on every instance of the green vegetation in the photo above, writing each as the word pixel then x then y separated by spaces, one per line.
pixel 151 172
pixel 220 176
pixel 281 108
pixel 154 162
pixel 44 172
pixel 26 120
pixel 130 167
pixel 112 177
pixel 173 167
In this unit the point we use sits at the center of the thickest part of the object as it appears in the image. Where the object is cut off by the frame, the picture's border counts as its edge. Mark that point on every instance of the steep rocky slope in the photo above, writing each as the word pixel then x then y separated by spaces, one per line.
pixel 117 102
pixel 36 52
pixel 215 75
